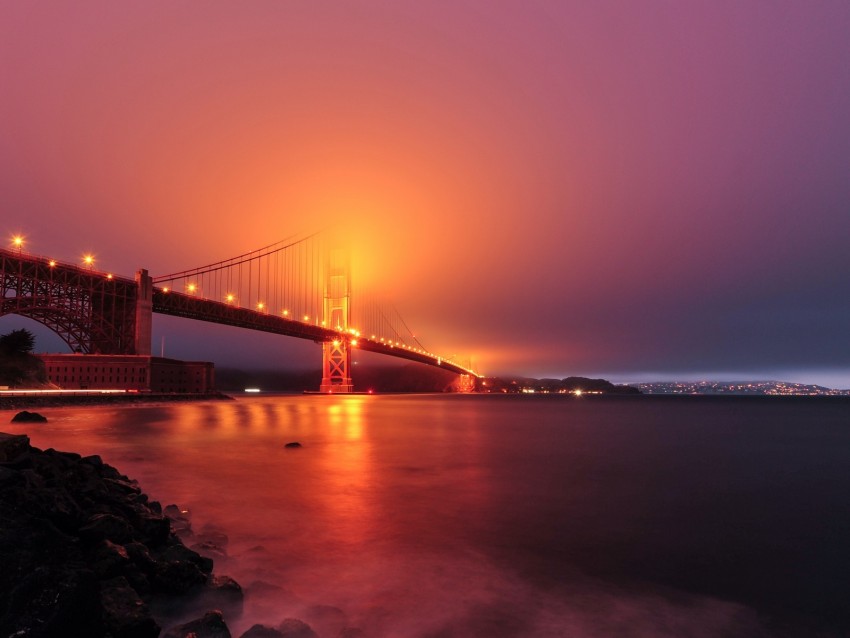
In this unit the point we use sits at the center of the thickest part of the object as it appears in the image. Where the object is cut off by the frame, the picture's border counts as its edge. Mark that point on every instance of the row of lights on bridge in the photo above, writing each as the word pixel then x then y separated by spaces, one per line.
pixel 87 259
pixel 230 298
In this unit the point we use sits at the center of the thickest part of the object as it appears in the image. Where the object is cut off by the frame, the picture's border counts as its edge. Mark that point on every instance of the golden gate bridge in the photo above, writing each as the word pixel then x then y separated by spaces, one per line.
pixel 299 287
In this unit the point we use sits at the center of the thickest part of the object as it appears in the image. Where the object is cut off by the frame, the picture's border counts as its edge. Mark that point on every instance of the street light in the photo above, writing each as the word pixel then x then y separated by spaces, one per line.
pixel 18 242
pixel 88 260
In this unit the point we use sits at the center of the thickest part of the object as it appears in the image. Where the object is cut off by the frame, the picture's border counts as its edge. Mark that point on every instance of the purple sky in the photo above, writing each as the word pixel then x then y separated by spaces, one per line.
pixel 637 190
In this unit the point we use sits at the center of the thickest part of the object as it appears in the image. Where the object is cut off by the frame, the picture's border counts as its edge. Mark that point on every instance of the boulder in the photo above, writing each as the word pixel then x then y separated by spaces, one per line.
pixel 293 444
pixel 212 625
pixel 294 628
pixel 13 445
pixel 261 631
pixel 125 614
pixel 29 417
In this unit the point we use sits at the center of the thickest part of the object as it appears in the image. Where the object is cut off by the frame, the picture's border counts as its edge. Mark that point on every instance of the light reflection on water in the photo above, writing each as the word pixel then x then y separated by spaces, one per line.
pixel 452 516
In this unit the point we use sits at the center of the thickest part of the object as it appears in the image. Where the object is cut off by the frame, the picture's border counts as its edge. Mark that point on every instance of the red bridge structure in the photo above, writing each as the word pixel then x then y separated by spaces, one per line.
pixel 299 287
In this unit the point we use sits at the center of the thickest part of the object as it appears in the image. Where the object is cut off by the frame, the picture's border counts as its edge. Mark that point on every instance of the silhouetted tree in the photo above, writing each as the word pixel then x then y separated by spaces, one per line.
pixel 17 342
pixel 18 367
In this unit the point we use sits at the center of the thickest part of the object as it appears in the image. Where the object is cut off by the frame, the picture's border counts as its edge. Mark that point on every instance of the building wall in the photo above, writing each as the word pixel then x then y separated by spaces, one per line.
pixel 171 375
pixel 126 372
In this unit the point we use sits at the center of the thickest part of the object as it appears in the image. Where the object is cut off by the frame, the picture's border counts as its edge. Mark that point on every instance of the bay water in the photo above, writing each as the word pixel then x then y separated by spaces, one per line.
pixel 443 516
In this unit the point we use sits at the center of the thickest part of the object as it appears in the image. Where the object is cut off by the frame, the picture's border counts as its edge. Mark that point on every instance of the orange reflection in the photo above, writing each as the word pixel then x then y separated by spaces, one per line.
pixel 347 469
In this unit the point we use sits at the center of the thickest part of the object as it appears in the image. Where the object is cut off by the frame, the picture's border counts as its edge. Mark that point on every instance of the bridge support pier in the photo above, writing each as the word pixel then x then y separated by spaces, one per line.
pixel 465 384
pixel 336 362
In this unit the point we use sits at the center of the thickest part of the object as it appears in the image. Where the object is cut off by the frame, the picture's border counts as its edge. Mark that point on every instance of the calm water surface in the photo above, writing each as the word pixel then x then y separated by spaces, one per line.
pixel 450 516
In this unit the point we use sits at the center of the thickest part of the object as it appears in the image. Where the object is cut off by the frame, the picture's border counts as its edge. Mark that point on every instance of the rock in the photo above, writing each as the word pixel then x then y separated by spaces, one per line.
pixel 13 445
pixel 180 553
pixel 261 631
pixel 327 619
pixel 294 628
pixel 212 625
pixel 29 417
pixel 58 600
pixel 84 553
pixel 181 520
pixel 209 550
pixel 293 444
pixel 107 527
pixel 125 615
pixel 213 535
pixel 177 577
pixel 110 559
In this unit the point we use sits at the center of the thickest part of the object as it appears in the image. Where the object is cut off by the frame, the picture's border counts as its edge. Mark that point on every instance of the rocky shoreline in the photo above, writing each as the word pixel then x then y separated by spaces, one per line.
pixel 84 552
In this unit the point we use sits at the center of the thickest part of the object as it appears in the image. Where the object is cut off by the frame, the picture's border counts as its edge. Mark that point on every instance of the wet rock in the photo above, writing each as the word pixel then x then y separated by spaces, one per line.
pixel 106 527
pixel 261 631
pixel 181 520
pixel 212 625
pixel 125 614
pixel 110 560
pixel 177 577
pixel 83 552
pixel 180 553
pixel 293 444
pixel 213 535
pixel 13 445
pixel 220 592
pixel 58 600
pixel 294 628
pixel 327 619
pixel 29 417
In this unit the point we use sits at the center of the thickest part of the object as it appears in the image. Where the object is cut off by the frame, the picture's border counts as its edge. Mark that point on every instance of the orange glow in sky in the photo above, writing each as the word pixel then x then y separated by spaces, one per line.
pixel 551 188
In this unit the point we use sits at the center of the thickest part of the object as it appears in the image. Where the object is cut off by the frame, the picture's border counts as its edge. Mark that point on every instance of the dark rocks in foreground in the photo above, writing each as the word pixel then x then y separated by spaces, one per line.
pixel 84 553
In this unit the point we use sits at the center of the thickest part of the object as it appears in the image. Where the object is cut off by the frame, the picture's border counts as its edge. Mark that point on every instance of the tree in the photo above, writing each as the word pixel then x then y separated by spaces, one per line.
pixel 17 342
pixel 18 366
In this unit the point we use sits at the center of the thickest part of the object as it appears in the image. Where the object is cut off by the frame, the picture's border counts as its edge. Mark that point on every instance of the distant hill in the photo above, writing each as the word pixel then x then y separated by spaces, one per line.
pixel 765 388
pixel 569 385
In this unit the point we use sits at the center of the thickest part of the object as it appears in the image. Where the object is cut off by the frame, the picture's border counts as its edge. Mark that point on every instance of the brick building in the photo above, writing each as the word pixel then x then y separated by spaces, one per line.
pixel 128 372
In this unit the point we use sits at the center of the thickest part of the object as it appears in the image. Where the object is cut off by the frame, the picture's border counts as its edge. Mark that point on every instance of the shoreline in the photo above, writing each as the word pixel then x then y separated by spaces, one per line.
pixel 17 401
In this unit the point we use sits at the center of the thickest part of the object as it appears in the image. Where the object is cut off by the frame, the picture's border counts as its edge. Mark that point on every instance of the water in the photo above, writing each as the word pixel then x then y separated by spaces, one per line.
pixel 450 516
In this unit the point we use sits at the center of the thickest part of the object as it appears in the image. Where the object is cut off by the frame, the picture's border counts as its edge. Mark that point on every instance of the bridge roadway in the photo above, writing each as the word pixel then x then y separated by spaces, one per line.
pixel 94 311
pixel 183 305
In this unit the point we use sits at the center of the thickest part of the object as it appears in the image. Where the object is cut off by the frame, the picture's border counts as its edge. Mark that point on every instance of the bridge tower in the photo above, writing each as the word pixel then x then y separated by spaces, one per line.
pixel 144 310
pixel 336 354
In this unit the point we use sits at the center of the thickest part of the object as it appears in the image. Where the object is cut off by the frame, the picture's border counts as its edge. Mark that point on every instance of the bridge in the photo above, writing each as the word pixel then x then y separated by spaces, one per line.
pixel 299 287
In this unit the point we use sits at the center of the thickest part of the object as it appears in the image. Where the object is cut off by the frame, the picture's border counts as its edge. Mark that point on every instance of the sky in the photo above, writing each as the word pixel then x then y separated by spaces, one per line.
pixel 636 190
